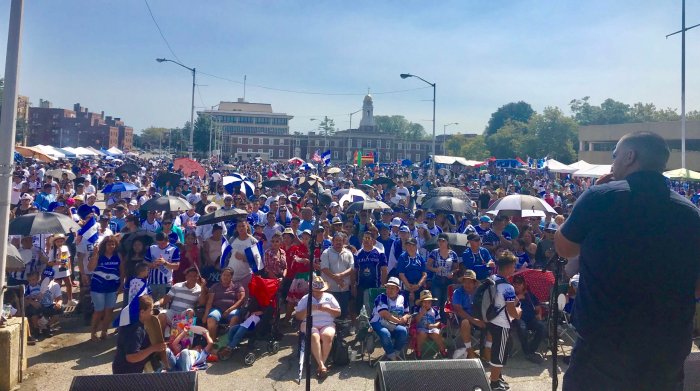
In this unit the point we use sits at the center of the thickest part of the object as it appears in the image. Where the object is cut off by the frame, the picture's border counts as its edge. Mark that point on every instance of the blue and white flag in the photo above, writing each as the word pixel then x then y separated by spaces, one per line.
pixel 326 157
pixel 89 231
pixel 254 256
pixel 225 253
pixel 130 313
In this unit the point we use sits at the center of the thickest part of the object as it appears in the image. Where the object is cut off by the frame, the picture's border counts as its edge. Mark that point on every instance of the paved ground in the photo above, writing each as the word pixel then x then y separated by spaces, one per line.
pixel 70 353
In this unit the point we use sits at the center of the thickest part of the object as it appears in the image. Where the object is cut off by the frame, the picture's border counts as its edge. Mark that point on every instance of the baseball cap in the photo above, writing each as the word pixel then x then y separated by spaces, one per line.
pixel 485 219
pixel 306 231
pixel 334 204
pixel 404 228
pixel 133 202
pixel 430 215
pixel 552 227
pixel 396 222
pixel 26 196
pixel 411 241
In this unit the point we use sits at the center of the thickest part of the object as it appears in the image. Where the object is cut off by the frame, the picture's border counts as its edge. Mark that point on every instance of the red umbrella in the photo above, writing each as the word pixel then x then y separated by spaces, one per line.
pixel 188 166
pixel 296 161
pixel 540 283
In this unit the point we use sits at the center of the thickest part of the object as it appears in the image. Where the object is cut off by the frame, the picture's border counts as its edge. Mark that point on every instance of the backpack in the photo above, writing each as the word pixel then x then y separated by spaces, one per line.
pixel 485 298
pixel 339 352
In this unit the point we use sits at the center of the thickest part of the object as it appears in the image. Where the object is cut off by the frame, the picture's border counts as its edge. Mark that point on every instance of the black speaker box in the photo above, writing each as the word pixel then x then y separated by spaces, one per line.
pixel 466 375
pixel 171 381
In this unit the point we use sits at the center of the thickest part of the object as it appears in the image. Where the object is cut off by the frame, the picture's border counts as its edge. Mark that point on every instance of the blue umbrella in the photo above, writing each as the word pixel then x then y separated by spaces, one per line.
pixel 18 157
pixel 119 187
pixel 234 181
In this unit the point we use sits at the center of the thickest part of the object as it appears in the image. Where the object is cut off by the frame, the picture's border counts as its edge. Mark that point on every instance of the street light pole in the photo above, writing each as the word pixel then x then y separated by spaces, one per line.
pixel 444 134
pixel 350 130
pixel 434 85
pixel 190 147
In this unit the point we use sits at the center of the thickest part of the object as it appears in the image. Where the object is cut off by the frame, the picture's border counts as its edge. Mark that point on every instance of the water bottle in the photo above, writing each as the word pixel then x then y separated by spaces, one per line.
pixel 6 311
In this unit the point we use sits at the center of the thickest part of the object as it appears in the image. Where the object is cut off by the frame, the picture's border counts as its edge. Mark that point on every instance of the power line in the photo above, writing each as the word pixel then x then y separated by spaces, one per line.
pixel 161 31
pixel 311 92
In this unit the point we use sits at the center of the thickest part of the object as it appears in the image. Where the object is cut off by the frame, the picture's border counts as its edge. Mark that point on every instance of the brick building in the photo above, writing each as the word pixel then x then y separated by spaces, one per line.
pixel 77 128
pixel 251 130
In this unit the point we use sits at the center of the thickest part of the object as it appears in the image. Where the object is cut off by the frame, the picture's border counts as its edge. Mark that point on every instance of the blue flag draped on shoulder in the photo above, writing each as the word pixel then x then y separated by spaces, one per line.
pixel 326 157
pixel 254 256
pixel 89 231
pixel 225 253
pixel 130 313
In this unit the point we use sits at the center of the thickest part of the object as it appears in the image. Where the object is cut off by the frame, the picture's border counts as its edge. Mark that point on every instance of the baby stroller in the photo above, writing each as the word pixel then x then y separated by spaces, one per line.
pixel 263 298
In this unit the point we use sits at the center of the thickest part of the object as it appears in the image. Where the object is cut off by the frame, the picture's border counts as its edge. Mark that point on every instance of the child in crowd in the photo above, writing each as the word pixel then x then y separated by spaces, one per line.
pixel 50 302
pixel 238 332
pixel 134 284
pixel 427 318
pixel 186 355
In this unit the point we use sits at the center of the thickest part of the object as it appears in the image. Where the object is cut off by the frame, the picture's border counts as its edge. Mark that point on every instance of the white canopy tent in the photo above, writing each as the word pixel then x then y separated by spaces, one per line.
pixel 595 171
pixel 581 165
pixel 47 149
pixel 115 151
pixel 443 159
pixel 85 152
pixel 558 167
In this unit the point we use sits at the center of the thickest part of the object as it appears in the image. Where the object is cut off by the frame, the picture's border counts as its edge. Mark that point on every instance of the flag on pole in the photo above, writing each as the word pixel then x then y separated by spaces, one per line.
pixel 316 158
pixel 225 253
pixel 359 158
pixel 326 156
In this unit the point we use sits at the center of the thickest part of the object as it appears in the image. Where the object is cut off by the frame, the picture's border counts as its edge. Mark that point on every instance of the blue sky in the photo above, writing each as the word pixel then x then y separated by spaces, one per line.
pixel 481 54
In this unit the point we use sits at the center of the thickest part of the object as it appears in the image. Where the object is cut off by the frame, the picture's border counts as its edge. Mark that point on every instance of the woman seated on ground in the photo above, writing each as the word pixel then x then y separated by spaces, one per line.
pixel 224 302
pixel 324 309
pixel 390 319
pixel 133 346
pixel 427 320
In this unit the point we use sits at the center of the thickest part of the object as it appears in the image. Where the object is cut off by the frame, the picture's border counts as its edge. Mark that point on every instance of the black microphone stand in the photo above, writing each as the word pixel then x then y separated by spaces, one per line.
pixel 557 263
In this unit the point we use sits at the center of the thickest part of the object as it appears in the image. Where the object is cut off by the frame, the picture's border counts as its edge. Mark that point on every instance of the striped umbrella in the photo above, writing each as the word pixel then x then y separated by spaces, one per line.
pixel 238 181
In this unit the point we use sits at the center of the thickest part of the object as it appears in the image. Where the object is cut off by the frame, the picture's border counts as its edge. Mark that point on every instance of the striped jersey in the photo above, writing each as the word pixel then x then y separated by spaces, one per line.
pixel 184 298
pixel 31 263
pixel 161 274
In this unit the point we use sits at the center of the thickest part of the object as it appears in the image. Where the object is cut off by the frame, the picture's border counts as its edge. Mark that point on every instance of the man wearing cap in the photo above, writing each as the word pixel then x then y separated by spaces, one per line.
pixel 397 248
pixel 496 237
pixel 484 225
pixel 434 229
pixel 90 201
pixel 545 248
pixel 118 221
pixel 395 225
pixel 412 270
pixel 44 198
pixel 390 319
pixel 25 205
pixel 462 301
pixel 477 258
pixel 337 268
pixel 337 225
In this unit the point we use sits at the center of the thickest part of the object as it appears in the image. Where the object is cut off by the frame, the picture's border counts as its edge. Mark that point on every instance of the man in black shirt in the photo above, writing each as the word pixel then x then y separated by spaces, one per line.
pixel 639 246
pixel 133 345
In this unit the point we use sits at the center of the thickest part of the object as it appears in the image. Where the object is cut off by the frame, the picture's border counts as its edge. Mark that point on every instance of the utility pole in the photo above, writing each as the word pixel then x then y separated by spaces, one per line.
pixel 682 31
pixel 7 130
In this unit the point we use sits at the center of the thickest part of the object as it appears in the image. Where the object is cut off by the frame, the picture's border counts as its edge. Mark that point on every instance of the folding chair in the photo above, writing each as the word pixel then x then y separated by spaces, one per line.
pixel 450 333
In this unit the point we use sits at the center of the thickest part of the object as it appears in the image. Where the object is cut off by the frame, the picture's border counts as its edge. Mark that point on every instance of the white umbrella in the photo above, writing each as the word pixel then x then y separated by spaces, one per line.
pixel 595 171
pixel 353 195
pixel 58 173
pixel 521 205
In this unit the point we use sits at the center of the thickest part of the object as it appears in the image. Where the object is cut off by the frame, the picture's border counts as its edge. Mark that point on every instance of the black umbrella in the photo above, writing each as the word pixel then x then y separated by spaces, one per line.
pixel 447 204
pixel 364 187
pixel 222 215
pixel 446 191
pixel 129 168
pixel 367 205
pixel 14 259
pixel 382 180
pixel 276 181
pixel 42 223
pixel 147 237
pixel 167 203
pixel 168 177
pixel 309 181
pixel 458 242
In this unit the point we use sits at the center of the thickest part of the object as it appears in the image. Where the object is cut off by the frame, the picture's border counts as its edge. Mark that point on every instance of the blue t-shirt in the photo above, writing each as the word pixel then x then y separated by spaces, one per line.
pixel 477 261
pixel 105 278
pixel 528 305
pixel 412 267
pixel 523 258
pixel 491 239
pixel 445 264
pixel 368 266
pixel 464 299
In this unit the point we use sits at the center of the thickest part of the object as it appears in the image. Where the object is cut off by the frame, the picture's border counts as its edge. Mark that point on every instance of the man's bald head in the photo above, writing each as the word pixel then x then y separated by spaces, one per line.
pixel 640 151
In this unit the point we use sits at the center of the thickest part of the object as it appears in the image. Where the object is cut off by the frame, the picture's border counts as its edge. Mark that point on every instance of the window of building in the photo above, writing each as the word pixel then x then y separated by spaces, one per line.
pixel 286 141
pixel 368 143
pixel 388 155
pixel 266 141
pixel 335 154
pixel 280 152
pixel 271 152
pixel 276 141
pixel 239 149
pixel 240 140
pixel 250 150
pixel 399 146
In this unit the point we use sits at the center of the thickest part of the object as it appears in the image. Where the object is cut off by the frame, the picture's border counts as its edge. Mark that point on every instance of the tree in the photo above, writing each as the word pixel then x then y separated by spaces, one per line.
pixel 202 134
pixel 399 127
pixel 153 137
pixel 508 140
pixel 475 148
pixel 327 126
pixel 614 112
pixel 552 134
pixel 514 111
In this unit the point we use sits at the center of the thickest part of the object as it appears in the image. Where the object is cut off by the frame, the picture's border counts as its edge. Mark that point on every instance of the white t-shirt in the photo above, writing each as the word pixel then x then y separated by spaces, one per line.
pixel 505 294
pixel 241 269
pixel 320 318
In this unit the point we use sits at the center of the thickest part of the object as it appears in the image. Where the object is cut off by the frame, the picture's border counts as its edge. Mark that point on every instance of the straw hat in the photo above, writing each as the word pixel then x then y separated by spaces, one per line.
pixel 319 284
pixel 393 281
pixel 425 295
pixel 468 275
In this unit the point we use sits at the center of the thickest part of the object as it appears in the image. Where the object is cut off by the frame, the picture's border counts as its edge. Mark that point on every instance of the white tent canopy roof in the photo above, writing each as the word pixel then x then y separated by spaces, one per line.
pixel 443 159
pixel 595 171
pixel 85 152
pixel 581 165
pixel 115 151
pixel 559 167
pixel 47 149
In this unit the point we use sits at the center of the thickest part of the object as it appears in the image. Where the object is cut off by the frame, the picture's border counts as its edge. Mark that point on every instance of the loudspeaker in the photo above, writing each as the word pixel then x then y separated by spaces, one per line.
pixel 171 381
pixel 467 375
pixel 691 381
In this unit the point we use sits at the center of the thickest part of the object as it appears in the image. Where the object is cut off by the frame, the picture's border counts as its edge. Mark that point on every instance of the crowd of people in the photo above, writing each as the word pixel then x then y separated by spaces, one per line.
pixel 190 271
